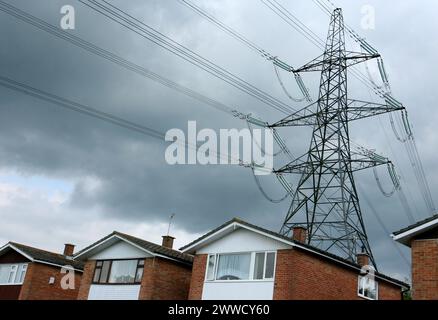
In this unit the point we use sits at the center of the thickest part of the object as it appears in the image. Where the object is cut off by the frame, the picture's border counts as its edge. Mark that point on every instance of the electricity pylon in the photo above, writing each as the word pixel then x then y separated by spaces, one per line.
pixel 326 198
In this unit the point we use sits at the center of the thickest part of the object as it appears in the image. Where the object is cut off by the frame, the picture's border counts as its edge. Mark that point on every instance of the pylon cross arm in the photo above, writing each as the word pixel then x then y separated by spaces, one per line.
pixel 351 59
pixel 355 109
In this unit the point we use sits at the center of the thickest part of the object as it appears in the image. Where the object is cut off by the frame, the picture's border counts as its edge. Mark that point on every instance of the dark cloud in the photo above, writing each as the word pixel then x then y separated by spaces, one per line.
pixel 124 173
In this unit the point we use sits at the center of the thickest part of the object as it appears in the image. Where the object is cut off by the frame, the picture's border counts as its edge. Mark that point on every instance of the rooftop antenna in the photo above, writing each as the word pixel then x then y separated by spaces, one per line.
pixel 170 222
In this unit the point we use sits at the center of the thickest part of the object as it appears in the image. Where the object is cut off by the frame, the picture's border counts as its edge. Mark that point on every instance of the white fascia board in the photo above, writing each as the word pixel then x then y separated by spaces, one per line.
pixel 132 244
pixel 402 236
pixel 147 251
pixel 19 251
pixel 9 245
pixel 208 238
pixel 68 267
pixel 234 226
pixel 110 238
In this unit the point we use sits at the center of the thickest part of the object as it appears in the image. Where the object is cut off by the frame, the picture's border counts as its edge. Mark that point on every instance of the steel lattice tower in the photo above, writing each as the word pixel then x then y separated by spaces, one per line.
pixel 326 198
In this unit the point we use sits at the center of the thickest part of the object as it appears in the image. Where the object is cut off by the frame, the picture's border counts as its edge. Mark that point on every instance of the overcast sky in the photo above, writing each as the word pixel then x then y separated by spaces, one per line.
pixel 68 178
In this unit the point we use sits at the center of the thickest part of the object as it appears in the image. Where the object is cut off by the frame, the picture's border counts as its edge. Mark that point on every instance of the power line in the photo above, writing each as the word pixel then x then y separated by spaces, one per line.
pixel 80 108
pixel 130 66
pixel 278 63
pixel 300 27
pixel 408 141
pixel 411 147
pixel 124 19
pixel 111 57
pixel 385 229
pixel 95 113
pixel 251 45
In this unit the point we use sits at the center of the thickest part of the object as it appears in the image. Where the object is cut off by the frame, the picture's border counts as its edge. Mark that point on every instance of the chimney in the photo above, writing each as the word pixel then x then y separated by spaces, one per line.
pixel 299 234
pixel 363 259
pixel 69 249
pixel 168 242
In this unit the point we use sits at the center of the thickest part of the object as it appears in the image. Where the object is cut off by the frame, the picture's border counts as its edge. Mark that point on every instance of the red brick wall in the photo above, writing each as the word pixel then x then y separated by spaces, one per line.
pixel 10 292
pixel 425 269
pixel 147 283
pixel 36 284
pixel 198 275
pixel 87 278
pixel 304 276
pixel 164 279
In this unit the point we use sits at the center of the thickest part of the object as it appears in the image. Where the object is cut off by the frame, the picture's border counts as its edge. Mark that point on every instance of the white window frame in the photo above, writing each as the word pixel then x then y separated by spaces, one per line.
pixel 364 296
pixel 214 267
pixel 16 274
pixel 13 271
pixel 251 269
pixel 22 273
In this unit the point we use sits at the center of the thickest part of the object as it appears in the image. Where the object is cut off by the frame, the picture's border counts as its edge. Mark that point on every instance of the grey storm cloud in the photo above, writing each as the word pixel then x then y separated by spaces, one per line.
pixel 133 181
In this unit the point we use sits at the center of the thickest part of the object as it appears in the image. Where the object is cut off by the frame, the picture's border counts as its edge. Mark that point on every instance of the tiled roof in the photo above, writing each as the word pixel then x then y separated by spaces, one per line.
pixel 47 256
pixel 146 245
pixel 418 224
pixel 155 248
pixel 306 247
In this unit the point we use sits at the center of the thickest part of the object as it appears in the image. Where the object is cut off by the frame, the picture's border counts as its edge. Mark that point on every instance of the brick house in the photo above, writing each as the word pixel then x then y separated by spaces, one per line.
pixel 123 267
pixel 28 273
pixel 422 238
pixel 239 260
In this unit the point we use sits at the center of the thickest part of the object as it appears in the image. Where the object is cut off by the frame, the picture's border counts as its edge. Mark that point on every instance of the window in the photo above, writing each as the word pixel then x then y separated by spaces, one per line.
pixel 22 273
pixel 12 273
pixel 259 265
pixel 270 265
pixel 119 271
pixel 102 271
pixel 139 272
pixel 368 288
pixel 264 265
pixel 240 266
pixel 123 271
pixel 233 266
pixel 211 267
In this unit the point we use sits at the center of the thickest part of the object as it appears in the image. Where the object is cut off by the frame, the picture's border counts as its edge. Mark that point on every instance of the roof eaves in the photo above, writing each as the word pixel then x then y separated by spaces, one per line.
pixel 157 250
pixel 297 244
pixel 416 225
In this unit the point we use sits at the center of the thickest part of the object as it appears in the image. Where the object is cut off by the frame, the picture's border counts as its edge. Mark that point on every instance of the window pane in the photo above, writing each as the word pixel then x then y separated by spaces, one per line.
pixel 259 265
pixel 22 273
pixel 234 267
pixel 123 271
pixel 210 268
pixel 139 275
pixel 99 264
pixel 97 275
pixel 4 273
pixel 12 273
pixel 368 287
pixel 270 265
pixel 141 262
pixel 104 272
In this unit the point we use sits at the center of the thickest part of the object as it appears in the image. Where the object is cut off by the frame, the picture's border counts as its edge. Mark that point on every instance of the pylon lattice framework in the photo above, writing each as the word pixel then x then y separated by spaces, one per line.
pixel 326 197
